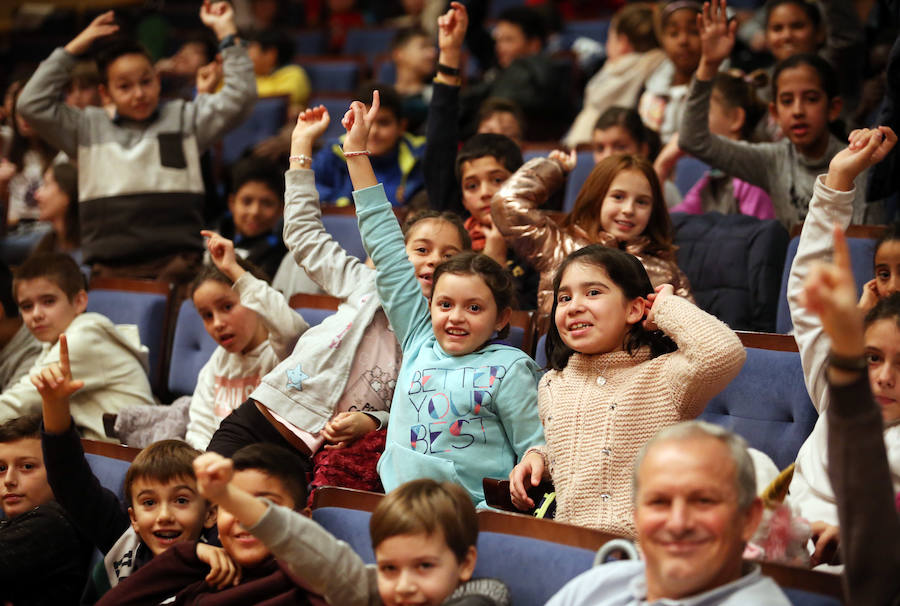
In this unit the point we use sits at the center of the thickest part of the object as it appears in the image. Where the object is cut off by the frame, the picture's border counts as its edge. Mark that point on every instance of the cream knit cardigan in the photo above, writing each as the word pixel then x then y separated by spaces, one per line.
pixel 600 409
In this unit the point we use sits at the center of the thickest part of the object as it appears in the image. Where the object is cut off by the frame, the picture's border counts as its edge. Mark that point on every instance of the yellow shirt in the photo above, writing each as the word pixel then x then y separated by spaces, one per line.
pixel 289 80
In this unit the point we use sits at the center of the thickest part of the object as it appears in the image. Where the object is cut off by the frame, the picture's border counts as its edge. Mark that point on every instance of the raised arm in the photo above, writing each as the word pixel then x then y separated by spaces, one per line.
pixel 401 295
pixel 314 249
pixel 442 130
pixel 832 203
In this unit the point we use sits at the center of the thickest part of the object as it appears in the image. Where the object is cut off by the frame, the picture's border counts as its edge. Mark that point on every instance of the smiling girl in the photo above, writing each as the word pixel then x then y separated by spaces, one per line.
pixel 616 379
pixel 254 327
pixel 620 205
pixel 465 408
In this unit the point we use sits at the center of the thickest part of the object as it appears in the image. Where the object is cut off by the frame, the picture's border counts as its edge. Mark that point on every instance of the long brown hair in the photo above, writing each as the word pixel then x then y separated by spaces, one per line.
pixel 586 211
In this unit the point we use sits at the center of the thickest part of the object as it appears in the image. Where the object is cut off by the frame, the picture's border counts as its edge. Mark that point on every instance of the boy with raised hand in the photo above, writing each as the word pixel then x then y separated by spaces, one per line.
pixel 44 558
pixel 423 533
pixel 140 185
pixel 109 359
pixel 261 470
pixel 164 507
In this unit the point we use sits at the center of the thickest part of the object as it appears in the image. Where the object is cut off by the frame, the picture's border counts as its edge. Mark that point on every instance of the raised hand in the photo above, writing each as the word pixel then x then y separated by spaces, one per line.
pixel 347 427
pixel 452 27
pixel 209 76
pixel 214 473
pixel 223 572
pixel 219 17
pixel 101 26
pixel 716 37
pixel 869 296
pixel 660 292
pixel 357 121
pixel 830 293
pixel 55 384
pixel 866 148
pixel 221 251
pixel 566 159
pixel 494 243
pixel 311 124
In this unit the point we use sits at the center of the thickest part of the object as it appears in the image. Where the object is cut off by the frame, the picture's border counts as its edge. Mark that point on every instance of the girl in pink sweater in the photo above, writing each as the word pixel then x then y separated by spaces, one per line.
pixel 626 361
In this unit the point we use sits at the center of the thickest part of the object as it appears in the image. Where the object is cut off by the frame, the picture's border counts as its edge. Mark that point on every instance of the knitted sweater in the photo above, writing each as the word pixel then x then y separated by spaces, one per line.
pixel 599 410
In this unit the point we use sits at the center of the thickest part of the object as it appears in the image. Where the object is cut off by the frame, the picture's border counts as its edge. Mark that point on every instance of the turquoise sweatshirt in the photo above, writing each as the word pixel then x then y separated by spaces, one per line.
pixel 453 418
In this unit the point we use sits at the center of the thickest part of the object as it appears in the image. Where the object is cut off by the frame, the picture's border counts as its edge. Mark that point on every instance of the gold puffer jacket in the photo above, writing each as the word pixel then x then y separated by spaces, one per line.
pixel 538 239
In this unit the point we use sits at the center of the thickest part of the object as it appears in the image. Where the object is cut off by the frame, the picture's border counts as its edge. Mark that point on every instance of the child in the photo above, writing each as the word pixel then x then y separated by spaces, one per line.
pixel 734 111
pixel 18 347
pixel 832 203
pixel 160 489
pixel 414 56
pixel 57 200
pixel 255 208
pixel 615 381
pixel 805 92
pixel 141 220
pixel 501 117
pixel 44 558
pixel 396 156
pixel 619 205
pixel 469 411
pixel 252 576
pixel 49 288
pixel 337 385
pixel 663 101
pixel 632 55
pixel 423 534
pixel 254 327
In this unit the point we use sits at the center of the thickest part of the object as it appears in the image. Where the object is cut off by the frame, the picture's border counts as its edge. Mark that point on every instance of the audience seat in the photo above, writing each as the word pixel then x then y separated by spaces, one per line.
pixel 191 348
pixel 314 308
pixel 767 403
pixel 140 302
pixel 862 254
pixel 19 243
pixel 309 42
pixel 109 463
pixel 368 41
pixel 688 171
pixel 333 74
pixel 345 230
pixel 521 331
pixel 577 177
pixel 540 351
pixel 595 29
pixel 267 118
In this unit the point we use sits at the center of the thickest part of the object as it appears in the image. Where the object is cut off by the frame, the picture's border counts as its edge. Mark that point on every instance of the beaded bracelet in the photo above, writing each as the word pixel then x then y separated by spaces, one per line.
pixel 350 154
pixel 303 159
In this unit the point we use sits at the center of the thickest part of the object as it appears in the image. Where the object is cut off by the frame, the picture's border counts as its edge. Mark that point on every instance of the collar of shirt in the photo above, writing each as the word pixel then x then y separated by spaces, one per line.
pixel 751 574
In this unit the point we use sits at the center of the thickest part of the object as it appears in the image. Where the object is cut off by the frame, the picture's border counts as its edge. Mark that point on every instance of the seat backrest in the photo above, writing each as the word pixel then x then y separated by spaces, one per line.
pixel 309 42
pixel 368 41
pixel 767 404
pixel 595 29
pixel 577 177
pixel 110 472
pixel 345 231
pixel 191 349
pixel 521 331
pixel 333 75
pixel 266 119
pixel 349 525
pixel 862 254
pixel 147 310
pixel 540 351
pixel 688 171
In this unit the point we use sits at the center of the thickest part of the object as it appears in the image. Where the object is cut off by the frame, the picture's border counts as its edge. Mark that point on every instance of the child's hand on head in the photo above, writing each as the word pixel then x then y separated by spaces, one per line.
pixel 208 76
pixel 101 26
pixel 452 27
pixel 311 124
pixel 221 251
pixel 214 473
pixel 717 35
pixel 223 572
pixel 219 17
pixel 54 382
pixel 661 292
pixel 568 160
pixel 357 121
pixel 866 148
pixel 830 293
pixel 347 427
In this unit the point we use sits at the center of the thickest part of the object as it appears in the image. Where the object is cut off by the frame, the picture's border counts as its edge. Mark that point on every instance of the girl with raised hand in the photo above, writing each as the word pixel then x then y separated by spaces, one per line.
pixel 466 408
pixel 620 205
pixel 254 328
pixel 832 204
pixel 805 93
pixel 627 360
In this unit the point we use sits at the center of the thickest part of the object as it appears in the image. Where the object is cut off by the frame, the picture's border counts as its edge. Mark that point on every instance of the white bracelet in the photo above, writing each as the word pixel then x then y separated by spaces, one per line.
pixel 303 159
pixel 350 154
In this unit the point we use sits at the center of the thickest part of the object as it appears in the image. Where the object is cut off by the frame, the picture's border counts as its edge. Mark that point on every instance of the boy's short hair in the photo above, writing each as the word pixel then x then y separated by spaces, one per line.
pixel 274 38
pixel 252 168
pixel 162 461
pixel 494 105
pixel 528 20
pixel 115 47
pixel 426 506
pixel 390 100
pixel 56 267
pixel 635 22
pixel 405 34
pixel 500 147
pixel 21 428
pixel 277 462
